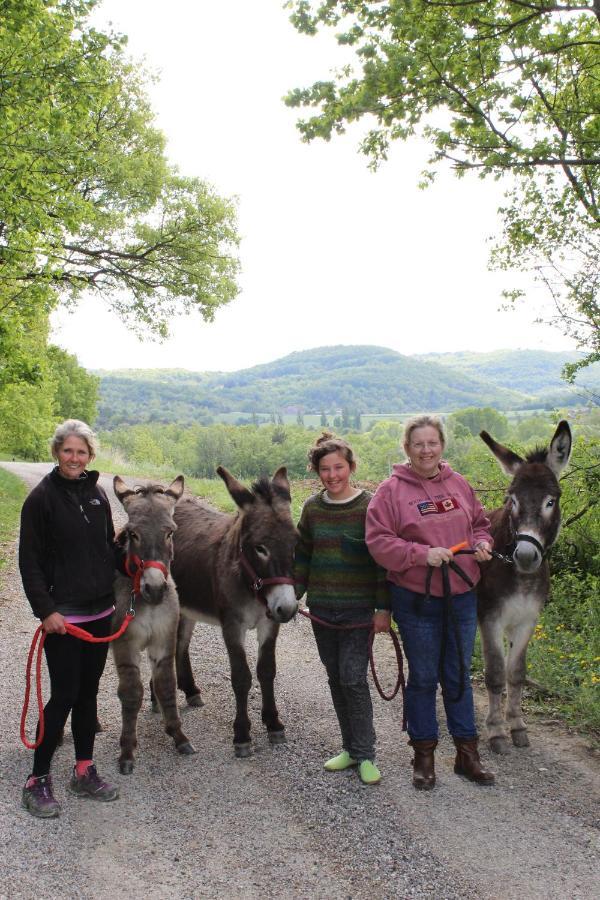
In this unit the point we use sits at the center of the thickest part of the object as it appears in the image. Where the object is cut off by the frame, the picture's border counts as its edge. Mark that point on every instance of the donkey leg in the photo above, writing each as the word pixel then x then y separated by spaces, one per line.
pixel 185 676
pixel 130 692
pixel 516 673
pixel 495 680
pixel 267 632
pixel 153 700
pixel 165 687
pixel 241 679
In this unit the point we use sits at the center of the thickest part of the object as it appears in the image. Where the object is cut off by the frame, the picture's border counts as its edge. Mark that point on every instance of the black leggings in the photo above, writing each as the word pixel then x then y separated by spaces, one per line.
pixel 75 668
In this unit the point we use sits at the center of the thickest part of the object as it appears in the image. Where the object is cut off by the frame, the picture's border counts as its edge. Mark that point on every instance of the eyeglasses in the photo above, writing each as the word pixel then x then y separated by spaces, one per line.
pixel 426 445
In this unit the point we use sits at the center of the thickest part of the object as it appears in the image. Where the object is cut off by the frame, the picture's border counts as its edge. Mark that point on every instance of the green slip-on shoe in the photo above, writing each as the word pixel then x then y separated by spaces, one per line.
pixel 340 762
pixel 369 773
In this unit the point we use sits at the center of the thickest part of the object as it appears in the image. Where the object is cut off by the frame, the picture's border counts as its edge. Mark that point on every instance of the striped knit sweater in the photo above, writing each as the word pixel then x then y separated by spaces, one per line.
pixel 333 564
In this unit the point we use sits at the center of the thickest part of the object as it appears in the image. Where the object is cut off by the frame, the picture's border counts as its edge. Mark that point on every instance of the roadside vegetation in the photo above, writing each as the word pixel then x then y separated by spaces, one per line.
pixel 12 494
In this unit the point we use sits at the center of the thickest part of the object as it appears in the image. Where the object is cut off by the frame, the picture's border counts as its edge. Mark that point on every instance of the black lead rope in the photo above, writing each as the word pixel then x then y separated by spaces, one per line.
pixel 448 616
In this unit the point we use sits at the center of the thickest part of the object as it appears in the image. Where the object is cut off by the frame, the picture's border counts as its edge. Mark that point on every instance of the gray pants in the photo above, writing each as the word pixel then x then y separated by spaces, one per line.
pixel 345 655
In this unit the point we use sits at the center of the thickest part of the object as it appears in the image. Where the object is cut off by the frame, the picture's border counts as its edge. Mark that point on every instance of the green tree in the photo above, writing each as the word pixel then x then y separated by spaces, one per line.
pixel 476 419
pixel 88 200
pixel 497 87
pixel 76 391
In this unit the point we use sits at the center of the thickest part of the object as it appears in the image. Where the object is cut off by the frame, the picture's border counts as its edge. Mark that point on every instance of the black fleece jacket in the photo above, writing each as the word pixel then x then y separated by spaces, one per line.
pixel 66 554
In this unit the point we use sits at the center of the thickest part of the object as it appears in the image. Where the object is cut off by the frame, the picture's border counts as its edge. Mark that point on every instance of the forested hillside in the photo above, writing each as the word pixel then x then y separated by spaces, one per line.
pixel 530 371
pixel 329 380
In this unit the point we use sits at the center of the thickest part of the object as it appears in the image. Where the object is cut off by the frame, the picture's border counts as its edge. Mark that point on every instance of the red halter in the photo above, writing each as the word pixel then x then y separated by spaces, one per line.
pixel 257 583
pixel 141 564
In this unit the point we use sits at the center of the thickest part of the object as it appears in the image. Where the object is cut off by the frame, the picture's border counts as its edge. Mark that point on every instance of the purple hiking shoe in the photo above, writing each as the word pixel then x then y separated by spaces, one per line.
pixel 38 798
pixel 91 785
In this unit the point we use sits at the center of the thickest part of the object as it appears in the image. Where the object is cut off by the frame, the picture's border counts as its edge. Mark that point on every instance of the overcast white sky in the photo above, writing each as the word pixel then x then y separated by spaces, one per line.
pixel 331 253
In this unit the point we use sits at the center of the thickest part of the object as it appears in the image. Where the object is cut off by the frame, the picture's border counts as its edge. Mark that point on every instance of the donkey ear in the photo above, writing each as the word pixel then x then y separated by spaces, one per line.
pixel 175 489
pixel 121 490
pixel 510 462
pixel 280 479
pixel 242 496
pixel 560 448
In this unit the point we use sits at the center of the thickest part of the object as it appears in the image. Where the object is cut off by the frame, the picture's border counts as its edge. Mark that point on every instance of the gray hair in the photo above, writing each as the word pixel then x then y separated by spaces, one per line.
pixel 78 429
pixel 422 422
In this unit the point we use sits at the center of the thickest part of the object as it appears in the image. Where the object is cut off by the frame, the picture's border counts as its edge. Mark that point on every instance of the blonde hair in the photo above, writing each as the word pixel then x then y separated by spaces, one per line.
pixel 422 422
pixel 77 428
pixel 329 443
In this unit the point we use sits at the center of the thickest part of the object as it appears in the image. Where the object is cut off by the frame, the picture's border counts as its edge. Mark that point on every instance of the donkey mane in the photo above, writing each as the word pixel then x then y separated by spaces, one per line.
pixel 268 491
pixel 537 455
pixel 148 489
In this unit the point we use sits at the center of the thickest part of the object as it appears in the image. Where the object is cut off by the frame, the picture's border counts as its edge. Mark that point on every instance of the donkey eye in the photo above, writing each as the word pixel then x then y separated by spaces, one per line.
pixel 261 550
pixel 133 535
pixel 550 502
pixel 169 535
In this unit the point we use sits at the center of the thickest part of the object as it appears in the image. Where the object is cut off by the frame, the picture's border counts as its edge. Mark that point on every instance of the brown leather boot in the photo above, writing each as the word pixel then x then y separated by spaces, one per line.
pixel 467 762
pixel 423 766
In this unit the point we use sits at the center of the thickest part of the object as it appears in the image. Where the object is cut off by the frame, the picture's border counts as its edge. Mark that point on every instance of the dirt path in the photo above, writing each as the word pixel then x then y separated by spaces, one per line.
pixel 276 825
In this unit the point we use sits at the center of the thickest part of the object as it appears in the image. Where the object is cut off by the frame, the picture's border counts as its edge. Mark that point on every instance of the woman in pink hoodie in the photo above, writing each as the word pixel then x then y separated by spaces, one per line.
pixel 422 510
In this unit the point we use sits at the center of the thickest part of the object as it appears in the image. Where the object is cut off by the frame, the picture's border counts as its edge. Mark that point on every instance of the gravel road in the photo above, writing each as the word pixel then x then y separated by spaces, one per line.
pixel 276 825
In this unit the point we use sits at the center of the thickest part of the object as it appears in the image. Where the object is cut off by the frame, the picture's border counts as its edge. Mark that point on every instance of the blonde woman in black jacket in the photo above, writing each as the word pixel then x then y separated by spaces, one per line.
pixel 67 563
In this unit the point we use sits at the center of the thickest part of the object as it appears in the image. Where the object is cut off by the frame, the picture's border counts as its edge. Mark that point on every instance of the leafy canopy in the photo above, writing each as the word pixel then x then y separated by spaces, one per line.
pixel 88 199
pixel 497 87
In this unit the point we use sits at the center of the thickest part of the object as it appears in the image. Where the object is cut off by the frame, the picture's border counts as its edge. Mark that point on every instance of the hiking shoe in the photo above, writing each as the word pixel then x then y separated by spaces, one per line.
pixel 340 762
pixel 91 785
pixel 38 798
pixel 369 773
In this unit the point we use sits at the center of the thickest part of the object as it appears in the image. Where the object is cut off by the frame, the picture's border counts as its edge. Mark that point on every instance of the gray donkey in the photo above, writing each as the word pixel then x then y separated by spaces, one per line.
pixel 236 572
pixel 147 540
pixel 513 589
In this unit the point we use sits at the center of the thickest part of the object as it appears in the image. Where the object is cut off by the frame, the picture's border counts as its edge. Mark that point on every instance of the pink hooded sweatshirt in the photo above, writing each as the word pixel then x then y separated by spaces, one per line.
pixel 408 515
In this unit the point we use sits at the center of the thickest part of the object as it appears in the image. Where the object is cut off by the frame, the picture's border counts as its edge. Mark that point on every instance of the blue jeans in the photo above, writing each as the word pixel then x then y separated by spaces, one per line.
pixel 420 623
pixel 345 655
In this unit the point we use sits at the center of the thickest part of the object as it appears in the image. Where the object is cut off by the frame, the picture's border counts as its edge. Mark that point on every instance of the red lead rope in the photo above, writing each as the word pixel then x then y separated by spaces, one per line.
pixel 40 635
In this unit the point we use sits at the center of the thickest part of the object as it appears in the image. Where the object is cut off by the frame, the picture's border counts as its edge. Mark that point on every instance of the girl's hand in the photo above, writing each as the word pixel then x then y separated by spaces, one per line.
pixel 437 555
pixel 54 624
pixel 483 551
pixel 382 621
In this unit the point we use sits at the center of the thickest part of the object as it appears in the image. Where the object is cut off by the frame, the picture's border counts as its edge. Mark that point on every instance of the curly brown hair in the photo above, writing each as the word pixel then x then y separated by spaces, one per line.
pixel 329 443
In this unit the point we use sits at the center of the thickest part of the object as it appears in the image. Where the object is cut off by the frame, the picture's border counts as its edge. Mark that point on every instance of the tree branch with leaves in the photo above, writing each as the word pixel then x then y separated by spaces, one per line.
pixel 499 87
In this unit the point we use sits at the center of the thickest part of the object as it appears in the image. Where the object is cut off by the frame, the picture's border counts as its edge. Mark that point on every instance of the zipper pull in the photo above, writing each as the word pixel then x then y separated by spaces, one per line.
pixel 83 514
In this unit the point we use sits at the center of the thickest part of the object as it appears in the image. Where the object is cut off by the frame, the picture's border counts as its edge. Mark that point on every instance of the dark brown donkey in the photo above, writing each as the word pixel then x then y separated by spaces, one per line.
pixel 236 571
pixel 513 591
pixel 148 542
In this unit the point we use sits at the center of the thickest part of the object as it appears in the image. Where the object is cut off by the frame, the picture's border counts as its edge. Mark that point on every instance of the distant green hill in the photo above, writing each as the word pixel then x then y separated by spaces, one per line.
pixel 535 372
pixel 361 379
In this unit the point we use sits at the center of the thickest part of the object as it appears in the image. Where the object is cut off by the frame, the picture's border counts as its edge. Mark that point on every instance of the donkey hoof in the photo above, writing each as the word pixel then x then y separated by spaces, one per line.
pixel 186 749
pixel 499 745
pixel 277 737
pixel 195 700
pixel 519 737
pixel 126 766
pixel 242 751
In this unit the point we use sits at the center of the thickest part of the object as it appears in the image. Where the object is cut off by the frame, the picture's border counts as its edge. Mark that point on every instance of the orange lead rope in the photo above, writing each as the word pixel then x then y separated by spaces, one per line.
pixel 40 636
pixel 457 547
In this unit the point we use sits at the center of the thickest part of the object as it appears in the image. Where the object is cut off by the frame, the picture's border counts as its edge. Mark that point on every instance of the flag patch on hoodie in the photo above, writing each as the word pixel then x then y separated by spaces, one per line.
pixel 433 507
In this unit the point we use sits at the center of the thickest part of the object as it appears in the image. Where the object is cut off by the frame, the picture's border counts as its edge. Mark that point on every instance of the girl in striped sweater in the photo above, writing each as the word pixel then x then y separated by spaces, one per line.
pixel 344 587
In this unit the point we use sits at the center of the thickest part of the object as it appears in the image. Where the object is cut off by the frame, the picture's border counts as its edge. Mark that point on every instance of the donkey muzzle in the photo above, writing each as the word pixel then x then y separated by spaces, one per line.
pixel 528 554
pixel 152 586
pixel 282 603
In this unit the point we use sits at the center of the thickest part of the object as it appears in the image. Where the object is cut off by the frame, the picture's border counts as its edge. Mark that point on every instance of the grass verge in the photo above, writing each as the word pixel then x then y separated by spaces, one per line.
pixel 12 494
